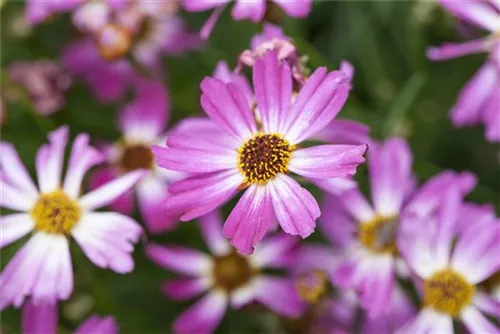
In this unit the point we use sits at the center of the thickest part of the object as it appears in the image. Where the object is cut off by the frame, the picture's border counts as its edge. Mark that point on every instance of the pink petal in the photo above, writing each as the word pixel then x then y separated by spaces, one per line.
pixel 96 324
pixel 14 199
pixel 50 158
pixel 390 166
pixel 204 316
pixel 179 259
pixel 211 229
pixel 355 203
pixel 474 96
pixel 14 226
pixel 83 157
pixel 335 223
pixel 487 303
pixel 181 289
pixel 475 12
pixel 39 319
pixel 107 239
pixel 295 208
pixel 318 102
pixel 224 74
pixel 278 294
pixel 455 50
pixel 250 219
pixel 344 132
pixel 274 251
pixel 335 185
pixel 208 26
pixel 198 195
pixel 477 322
pixel 249 10
pixel 273 90
pixel 123 203
pixel 110 191
pixel 428 321
pixel 325 161
pixel 146 117
pixel 227 106
pixel 491 116
pixel 202 5
pixel 14 171
pixel 295 8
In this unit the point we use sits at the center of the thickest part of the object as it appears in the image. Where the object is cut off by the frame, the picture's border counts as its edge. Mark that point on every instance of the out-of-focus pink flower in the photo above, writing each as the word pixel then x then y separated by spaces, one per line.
pixel 55 211
pixel 479 100
pixel 38 11
pixel 257 154
pixel 273 38
pixel 45 83
pixel 142 123
pixel 253 10
pixel 42 319
pixel 226 277
pixel 369 233
pixel 451 263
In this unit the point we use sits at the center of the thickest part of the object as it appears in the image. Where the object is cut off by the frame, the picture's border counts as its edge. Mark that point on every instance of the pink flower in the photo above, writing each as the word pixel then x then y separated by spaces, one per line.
pixel 142 123
pixel 368 233
pixel 253 10
pixel 45 83
pixel 450 265
pixel 55 211
pixel 38 319
pixel 225 277
pixel 479 100
pixel 258 153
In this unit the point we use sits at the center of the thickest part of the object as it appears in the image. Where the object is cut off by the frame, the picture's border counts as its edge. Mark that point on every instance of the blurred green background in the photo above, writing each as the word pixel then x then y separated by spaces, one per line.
pixel 397 91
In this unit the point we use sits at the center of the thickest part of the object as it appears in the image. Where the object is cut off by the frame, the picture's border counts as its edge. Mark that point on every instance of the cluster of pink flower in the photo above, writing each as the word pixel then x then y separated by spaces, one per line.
pixel 261 139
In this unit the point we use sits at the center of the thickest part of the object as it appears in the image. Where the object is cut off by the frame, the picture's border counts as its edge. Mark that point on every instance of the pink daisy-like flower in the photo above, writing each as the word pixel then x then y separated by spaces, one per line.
pixel 258 153
pixel 368 233
pixel 336 312
pixel 479 100
pixel 55 211
pixel 226 277
pixel 451 264
pixel 253 10
pixel 42 319
pixel 142 124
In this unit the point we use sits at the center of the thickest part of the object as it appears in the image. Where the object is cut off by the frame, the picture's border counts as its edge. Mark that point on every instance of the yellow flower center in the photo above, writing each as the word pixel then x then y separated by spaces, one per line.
pixel 114 42
pixel 137 156
pixel 447 291
pixel 311 286
pixel 55 213
pixel 379 235
pixel 231 271
pixel 263 157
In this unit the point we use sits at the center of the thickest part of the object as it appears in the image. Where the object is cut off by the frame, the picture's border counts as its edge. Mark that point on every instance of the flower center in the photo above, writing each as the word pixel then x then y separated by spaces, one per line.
pixel 114 42
pixel 448 292
pixel 55 213
pixel 263 157
pixel 231 271
pixel 311 286
pixel 137 156
pixel 379 235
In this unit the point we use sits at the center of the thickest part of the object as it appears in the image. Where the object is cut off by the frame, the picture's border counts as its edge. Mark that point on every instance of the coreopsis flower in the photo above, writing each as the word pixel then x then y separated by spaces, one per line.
pixel 54 212
pixel 368 233
pixel 479 100
pixel 259 153
pixel 42 319
pixel 451 265
pixel 253 10
pixel 226 277
pixel 273 38
pixel 121 36
pixel 45 83
pixel 142 123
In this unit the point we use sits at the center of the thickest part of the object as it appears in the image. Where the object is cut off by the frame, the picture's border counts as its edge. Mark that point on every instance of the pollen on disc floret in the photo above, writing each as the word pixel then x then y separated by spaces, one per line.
pixel 263 157
pixel 55 213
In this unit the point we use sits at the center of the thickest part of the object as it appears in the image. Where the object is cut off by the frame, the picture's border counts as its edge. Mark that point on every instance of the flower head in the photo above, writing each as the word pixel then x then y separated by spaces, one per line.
pixel 452 261
pixel 479 100
pixel 369 233
pixel 55 211
pixel 142 124
pixel 226 277
pixel 259 153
